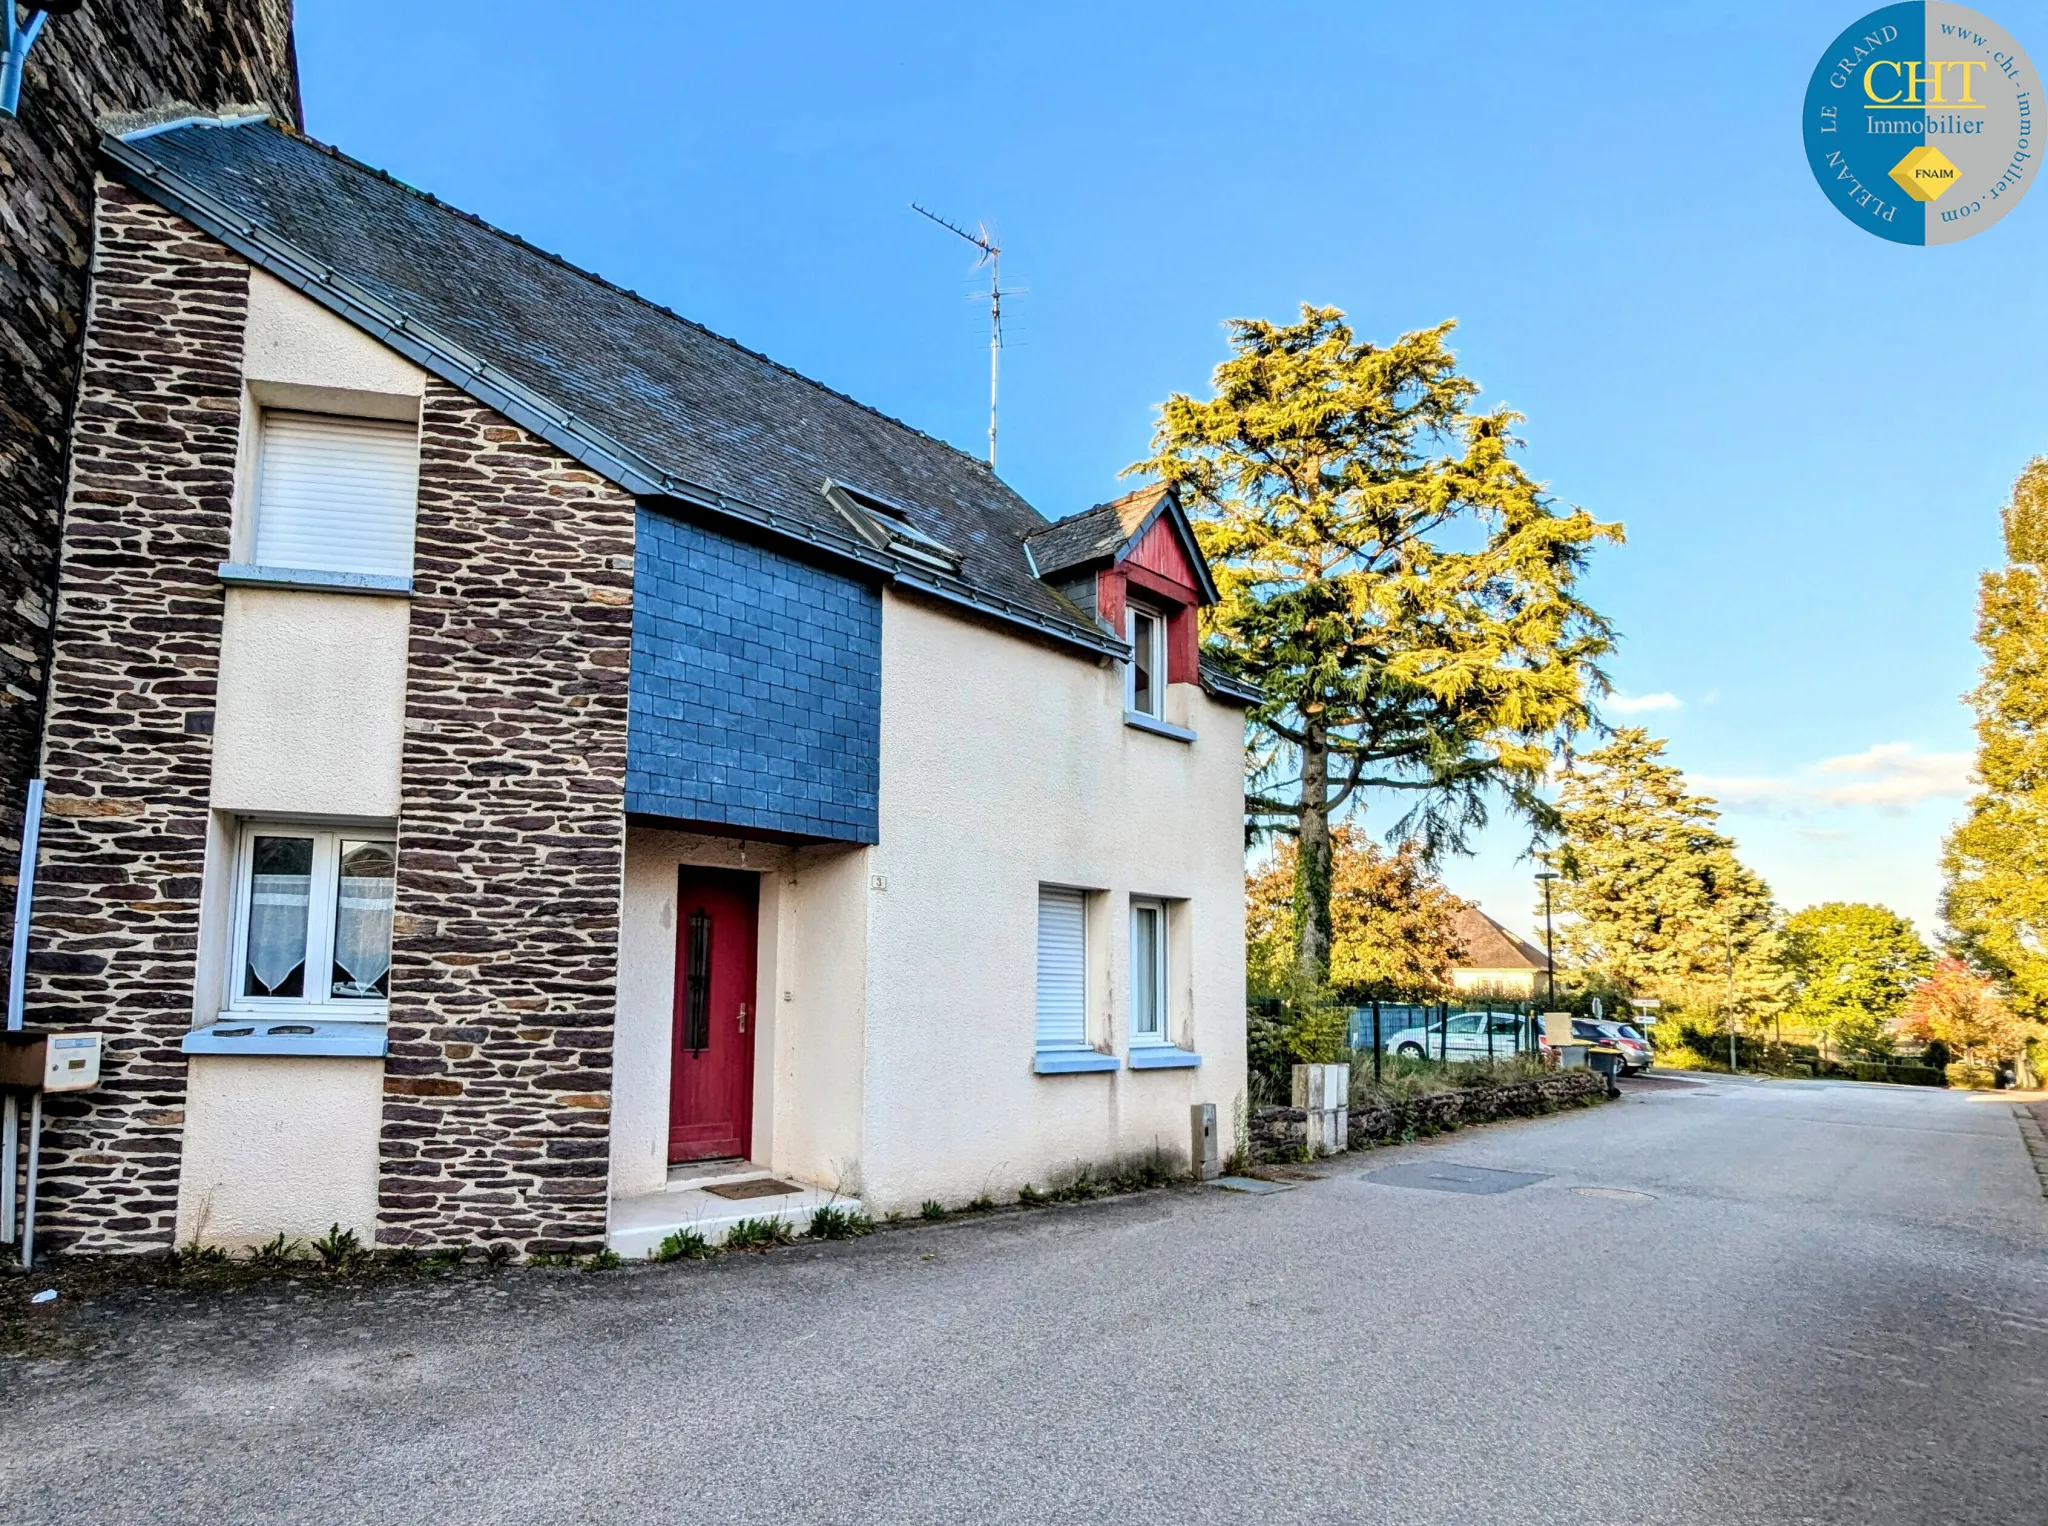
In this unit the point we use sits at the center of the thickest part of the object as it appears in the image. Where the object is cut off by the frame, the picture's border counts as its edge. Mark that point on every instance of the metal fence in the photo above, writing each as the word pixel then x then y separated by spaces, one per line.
pixel 1451 1032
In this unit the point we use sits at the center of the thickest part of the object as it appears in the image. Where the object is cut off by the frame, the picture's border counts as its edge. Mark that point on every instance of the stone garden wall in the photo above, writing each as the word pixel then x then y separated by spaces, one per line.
pixel 1277 1133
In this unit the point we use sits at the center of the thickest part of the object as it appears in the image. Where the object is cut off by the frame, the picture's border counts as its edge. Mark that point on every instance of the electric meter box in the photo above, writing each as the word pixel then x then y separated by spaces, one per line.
pixel 32 1060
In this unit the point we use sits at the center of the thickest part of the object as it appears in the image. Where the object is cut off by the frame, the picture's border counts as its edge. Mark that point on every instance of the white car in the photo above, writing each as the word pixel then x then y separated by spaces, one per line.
pixel 1465 1036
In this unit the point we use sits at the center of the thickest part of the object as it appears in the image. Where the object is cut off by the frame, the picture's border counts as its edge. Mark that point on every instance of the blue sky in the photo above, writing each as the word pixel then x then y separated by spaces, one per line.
pixel 1806 430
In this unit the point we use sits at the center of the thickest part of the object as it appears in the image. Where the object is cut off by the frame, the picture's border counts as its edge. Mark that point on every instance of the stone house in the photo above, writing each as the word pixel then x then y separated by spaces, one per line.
pixel 524 769
pixel 99 62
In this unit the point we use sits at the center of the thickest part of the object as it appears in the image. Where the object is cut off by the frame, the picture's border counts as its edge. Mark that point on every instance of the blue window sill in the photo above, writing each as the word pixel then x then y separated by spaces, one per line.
pixel 285 1035
pixel 317 579
pixel 1070 1062
pixel 1162 1057
pixel 1138 720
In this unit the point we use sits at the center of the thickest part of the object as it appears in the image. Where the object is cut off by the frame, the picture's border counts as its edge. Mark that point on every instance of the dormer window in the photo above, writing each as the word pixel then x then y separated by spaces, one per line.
pixel 1145 687
pixel 887 526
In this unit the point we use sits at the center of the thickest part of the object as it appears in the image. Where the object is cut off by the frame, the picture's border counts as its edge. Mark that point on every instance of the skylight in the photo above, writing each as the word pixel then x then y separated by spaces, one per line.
pixel 887 526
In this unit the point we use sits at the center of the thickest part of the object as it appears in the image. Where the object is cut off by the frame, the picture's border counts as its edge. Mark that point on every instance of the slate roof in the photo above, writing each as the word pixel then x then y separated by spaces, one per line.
pixel 1489 946
pixel 660 405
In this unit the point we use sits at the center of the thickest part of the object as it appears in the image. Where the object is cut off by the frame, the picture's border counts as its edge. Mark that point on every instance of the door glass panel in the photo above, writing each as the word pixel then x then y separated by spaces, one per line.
pixel 280 892
pixel 362 921
pixel 1468 1023
pixel 697 985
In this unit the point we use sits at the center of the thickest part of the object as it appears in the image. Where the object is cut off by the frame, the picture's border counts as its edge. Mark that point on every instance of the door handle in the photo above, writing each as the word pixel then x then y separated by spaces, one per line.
pixel 743 1017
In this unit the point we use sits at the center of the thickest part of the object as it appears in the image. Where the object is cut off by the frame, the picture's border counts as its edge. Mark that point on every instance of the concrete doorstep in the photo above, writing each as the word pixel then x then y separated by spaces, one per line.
pixel 640 1224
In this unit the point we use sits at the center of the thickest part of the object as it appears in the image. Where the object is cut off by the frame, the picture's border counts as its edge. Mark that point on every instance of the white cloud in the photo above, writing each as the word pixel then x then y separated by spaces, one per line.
pixel 1891 777
pixel 1641 704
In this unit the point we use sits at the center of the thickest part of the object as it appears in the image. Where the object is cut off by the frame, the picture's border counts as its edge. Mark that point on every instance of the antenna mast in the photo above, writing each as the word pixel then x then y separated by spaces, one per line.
pixel 992 256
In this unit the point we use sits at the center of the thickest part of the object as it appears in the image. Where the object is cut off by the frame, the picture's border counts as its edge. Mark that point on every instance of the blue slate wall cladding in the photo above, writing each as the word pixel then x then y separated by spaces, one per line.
pixel 756 687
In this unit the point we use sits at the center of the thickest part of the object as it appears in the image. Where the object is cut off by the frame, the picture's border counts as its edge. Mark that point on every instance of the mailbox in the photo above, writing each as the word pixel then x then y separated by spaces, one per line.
pixel 37 1060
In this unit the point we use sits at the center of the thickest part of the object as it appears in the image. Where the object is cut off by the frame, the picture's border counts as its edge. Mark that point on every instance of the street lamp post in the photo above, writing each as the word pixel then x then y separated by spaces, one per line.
pixel 1549 953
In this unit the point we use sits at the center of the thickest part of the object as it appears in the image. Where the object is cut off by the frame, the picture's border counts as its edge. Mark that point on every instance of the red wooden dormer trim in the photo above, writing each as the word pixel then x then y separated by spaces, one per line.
pixel 1157 570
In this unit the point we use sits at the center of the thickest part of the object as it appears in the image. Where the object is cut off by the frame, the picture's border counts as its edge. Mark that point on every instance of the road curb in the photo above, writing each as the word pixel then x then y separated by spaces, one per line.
pixel 2036 1141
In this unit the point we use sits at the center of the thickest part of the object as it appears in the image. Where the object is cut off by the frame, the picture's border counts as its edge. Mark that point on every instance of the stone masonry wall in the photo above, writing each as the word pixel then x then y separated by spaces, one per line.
pixel 1277 1133
pixel 511 843
pixel 112 56
pixel 129 752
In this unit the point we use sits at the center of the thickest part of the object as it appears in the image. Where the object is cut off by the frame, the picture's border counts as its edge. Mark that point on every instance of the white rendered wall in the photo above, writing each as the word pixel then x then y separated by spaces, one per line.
pixel 310 718
pixel 279 1145
pixel 1006 765
pixel 821 1050
pixel 292 341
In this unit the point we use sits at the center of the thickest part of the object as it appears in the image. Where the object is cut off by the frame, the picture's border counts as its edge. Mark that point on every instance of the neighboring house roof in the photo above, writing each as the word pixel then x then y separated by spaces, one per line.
pixel 658 404
pixel 1109 532
pixel 1489 946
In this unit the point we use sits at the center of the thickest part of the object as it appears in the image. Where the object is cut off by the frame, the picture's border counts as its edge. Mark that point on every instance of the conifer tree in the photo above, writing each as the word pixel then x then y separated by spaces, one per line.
pixel 1996 860
pixel 1393 581
pixel 1651 893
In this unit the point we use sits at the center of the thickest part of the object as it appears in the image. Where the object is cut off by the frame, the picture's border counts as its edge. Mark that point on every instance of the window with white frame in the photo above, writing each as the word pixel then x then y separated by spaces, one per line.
pixel 1062 968
pixel 335 494
pixel 313 919
pixel 1148 971
pixel 1145 688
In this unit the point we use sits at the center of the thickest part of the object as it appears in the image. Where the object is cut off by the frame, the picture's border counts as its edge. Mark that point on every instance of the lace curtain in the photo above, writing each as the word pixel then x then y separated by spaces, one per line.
pixel 280 894
pixel 362 920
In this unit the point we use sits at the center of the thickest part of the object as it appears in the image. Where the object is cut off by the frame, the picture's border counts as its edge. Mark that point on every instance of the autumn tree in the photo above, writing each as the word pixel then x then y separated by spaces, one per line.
pixel 1964 1011
pixel 1853 966
pixel 1651 893
pixel 1393 923
pixel 1391 579
pixel 1996 860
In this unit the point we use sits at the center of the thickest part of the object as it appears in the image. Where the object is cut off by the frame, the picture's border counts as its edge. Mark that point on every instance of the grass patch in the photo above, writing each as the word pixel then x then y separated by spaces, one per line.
pixel 758 1234
pixel 276 1252
pixel 832 1222
pixel 606 1260
pixel 340 1250
pixel 933 1209
pixel 682 1245
pixel 982 1204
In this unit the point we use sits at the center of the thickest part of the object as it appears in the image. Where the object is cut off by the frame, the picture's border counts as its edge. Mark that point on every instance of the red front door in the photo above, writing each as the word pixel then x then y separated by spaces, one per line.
pixel 711 1059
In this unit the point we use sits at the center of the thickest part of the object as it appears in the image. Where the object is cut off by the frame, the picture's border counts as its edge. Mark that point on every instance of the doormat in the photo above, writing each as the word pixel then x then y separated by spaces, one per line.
pixel 1442 1176
pixel 760 1186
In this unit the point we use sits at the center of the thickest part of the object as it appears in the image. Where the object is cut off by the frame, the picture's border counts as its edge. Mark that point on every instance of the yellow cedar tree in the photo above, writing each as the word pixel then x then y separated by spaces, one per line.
pixel 1400 589
pixel 1995 863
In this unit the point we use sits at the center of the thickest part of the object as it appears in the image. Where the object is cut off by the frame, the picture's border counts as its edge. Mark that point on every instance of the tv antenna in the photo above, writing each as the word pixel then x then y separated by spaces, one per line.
pixel 992 256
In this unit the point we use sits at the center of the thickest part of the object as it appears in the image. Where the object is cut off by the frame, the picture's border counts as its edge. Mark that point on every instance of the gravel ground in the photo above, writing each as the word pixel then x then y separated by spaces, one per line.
pixel 1726 1302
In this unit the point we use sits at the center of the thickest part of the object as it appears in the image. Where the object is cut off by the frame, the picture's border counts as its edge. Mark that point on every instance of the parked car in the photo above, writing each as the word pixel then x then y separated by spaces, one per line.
pixel 1635 1049
pixel 1464 1037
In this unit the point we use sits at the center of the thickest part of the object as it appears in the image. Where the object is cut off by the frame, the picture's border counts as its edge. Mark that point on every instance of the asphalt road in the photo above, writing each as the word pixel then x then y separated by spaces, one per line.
pixel 1770 1303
